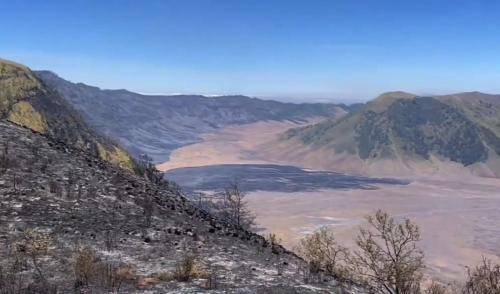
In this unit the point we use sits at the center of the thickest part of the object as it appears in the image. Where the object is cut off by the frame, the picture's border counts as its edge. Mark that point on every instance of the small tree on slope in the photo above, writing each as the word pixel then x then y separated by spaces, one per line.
pixel 388 260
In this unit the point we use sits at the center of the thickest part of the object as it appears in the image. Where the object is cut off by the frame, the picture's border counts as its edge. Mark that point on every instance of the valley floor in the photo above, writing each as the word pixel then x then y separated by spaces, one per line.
pixel 459 217
pixel 459 220
pixel 239 144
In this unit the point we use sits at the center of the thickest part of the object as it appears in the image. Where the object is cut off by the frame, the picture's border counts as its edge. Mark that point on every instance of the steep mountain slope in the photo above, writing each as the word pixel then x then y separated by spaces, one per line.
pixel 156 125
pixel 71 222
pixel 27 101
pixel 402 132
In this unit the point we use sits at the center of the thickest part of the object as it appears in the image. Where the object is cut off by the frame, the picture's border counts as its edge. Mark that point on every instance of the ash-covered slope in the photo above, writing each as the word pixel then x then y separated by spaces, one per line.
pixel 71 221
pixel 27 101
pixel 402 132
pixel 156 125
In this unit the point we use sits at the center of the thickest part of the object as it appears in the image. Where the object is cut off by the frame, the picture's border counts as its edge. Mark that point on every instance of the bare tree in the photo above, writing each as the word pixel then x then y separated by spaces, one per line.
pixel 388 259
pixel 484 279
pixel 234 208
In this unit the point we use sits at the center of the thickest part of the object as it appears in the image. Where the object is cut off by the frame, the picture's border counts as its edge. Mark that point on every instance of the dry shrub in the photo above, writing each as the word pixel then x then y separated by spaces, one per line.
pixel 189 268
pixel 5 159
pixel 322 252
pixel 112 277
pixel 91 271
pixel 484 279
pixel 388 259
pixel 154 279
pixel 84 266
pixel 163 277
pixel 35 245
pixel 10 282
pixel 28 254
pixel 211 282
pixel 436 288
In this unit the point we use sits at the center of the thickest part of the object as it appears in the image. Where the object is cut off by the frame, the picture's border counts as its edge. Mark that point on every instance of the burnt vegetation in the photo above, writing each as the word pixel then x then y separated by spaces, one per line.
pixel 71 222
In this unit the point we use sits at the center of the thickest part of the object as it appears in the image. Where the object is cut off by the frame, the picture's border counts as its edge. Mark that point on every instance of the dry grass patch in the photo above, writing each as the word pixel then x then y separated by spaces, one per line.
pixel 90 270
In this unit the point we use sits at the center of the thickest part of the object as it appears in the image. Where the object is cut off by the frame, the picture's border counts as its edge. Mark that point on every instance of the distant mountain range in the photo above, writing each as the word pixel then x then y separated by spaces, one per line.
pixel 29 102
pixel 400 132
pixel 397 133
pixel 156 125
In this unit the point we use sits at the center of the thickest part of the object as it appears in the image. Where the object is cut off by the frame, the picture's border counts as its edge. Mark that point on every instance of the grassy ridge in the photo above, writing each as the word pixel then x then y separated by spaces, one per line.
pixel 28 102
pixel 461 129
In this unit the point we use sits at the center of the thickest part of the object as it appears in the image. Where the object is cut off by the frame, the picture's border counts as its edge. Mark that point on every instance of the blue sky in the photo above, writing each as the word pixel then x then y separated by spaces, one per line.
pixel 292 50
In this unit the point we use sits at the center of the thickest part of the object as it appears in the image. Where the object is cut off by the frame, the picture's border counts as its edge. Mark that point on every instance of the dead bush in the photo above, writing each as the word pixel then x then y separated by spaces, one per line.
pixel 84 266
pixel 232 207
pixel 34 245
pixel 163 277
pixel 89 270
pixel 110 239
pixel 23 270
pixel 55 189
pixel 10 282
pixel 5 159
pixel 112 277
pixel 211 282
pixel 436 288
pixel 322 252
pixel 188 268
pixel 483 279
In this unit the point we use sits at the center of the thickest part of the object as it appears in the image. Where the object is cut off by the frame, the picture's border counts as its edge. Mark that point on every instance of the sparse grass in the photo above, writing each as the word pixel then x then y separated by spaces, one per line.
pixel 24 114
pixel 116 156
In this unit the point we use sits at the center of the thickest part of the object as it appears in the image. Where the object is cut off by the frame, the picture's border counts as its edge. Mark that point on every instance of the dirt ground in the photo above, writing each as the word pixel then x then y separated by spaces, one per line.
pixel 231 145
pixel 459 221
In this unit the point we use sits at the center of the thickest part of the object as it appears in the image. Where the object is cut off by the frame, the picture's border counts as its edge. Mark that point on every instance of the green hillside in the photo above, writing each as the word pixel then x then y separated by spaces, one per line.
pixel 463 128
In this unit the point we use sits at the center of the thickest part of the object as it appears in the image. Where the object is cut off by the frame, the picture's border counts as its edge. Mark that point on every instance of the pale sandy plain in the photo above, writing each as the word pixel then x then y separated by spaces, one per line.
pixel 459 215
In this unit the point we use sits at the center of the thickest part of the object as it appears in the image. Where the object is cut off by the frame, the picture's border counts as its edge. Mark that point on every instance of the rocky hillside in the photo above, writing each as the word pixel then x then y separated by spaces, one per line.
pixel 156 125
pixel 27 101
pixel 402 132
pixel 70 221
